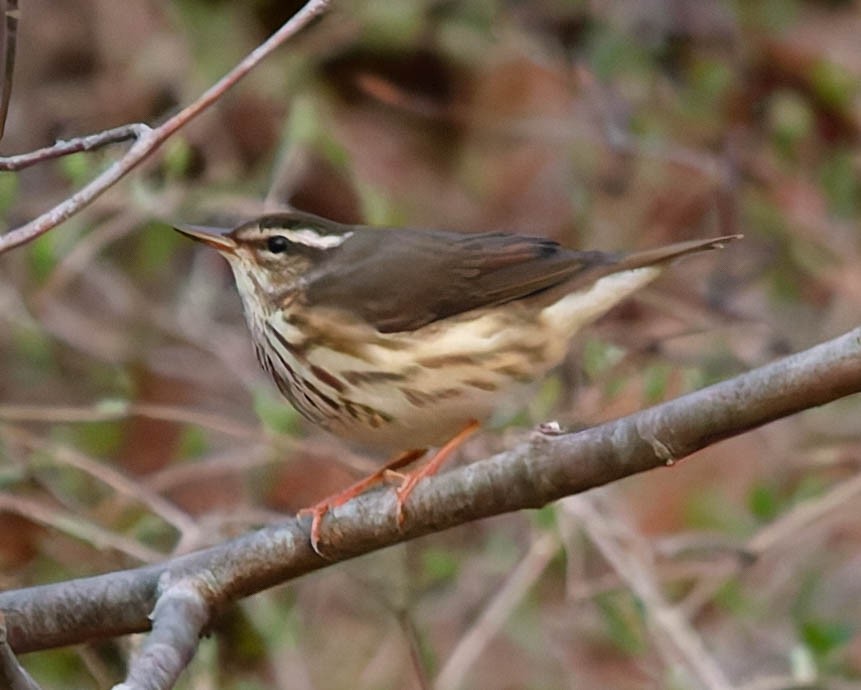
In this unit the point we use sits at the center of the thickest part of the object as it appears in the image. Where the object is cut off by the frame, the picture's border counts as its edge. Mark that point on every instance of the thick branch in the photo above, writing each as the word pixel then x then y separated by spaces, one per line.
pixel 528 476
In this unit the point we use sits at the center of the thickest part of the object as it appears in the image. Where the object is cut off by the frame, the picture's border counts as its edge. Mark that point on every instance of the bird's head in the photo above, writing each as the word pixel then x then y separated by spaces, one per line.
pixel 269 255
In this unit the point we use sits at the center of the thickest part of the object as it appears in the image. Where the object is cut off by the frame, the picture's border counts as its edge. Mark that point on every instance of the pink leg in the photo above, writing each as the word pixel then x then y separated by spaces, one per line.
pixel 432 467
pixel 319 509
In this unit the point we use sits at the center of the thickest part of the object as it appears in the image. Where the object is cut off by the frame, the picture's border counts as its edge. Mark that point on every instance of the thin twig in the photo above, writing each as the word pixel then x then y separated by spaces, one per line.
pixel 408 628
pixel 180 520
pixel 147 139
pixel 113 410
pixel 62 148
pixel 789 526
pixel 82 255
pixel 66 522
pixel 676 638
pixel 782 532
pixel 487 625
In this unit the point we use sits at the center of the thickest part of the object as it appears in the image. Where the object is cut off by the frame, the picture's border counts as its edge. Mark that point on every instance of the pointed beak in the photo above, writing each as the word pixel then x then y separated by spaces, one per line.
pixel 217 238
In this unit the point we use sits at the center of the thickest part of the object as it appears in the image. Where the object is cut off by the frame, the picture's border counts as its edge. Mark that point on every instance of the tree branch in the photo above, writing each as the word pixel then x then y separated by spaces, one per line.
pixel 147 139
pixel 178 619
pixel 12 674
pixel 530 475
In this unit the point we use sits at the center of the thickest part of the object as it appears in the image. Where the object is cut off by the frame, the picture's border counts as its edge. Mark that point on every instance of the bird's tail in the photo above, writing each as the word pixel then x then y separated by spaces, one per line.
pixel 597 292
pixel 661 255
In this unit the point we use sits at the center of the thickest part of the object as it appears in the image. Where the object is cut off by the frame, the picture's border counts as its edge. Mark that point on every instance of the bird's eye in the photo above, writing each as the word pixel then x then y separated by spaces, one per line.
pixel 277 244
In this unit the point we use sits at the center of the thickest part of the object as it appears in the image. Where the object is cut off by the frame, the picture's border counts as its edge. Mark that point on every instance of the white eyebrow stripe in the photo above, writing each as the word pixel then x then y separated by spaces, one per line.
pixel 311 239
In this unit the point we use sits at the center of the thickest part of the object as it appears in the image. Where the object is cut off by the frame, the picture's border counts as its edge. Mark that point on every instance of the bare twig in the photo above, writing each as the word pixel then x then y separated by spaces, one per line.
pixel 487 625
pixel 64 148
pixel 782 532
pixel 180 520
pixel 678 642
pixel 82 255
pixel 111 410
pixel 789 526
pixel 75 526
pixel 147 139
pixel 414 643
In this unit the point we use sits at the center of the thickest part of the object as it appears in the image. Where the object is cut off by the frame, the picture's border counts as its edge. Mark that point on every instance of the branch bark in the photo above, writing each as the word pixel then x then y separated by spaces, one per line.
pixel 530 475
pixel 181 612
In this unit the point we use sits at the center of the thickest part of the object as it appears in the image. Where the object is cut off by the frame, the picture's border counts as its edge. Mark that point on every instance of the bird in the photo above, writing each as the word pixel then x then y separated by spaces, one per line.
pixel 405 339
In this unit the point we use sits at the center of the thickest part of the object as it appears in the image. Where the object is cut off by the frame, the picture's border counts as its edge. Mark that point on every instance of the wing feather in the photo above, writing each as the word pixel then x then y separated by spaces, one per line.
pixel 399 280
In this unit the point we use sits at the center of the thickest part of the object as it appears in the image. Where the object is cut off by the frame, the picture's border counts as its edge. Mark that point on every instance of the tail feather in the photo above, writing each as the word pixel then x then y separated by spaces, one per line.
pixel 660 255
pixel 596 292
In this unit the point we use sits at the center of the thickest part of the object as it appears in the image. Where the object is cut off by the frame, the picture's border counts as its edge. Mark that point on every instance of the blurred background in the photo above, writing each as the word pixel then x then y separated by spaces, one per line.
pixel 135 423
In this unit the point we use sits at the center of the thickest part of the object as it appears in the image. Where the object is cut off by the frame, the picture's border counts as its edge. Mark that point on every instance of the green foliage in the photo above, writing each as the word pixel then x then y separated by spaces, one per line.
pixel 98 439
pixel 791 120
pixel 57 667
pixel 623 621
pixel 544 518
pixel 8 190
pixel 764 502
pixel 733 597
pixel 42 255
pixel 303 124
pixel 835 86
pixel 599 357
pixel 439 565
pixel 543 403
pixel 147 528
pixel 824 637
pixel 274 413
pixel 711 510
pixel 307 127
pixel 36 349
pixel 112 406
pixel 194 442
pixel 377 207
pixel 157 244
pixel 767 500
pixel 840 181
pixel 217 43
pixel 469 33
pixel 78 168
pixel 710 79
pixel 768 14
pixel 390 24
pixel 612 54
pixel 809 487
pixel 177 158
pixel 655 381
pixel 501 552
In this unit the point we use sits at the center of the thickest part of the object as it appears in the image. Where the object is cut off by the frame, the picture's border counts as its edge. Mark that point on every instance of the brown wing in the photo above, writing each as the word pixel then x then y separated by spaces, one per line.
pixel 400 280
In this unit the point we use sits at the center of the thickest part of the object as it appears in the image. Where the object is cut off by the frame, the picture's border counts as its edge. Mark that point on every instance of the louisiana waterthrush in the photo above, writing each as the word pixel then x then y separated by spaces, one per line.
pixel 405 339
